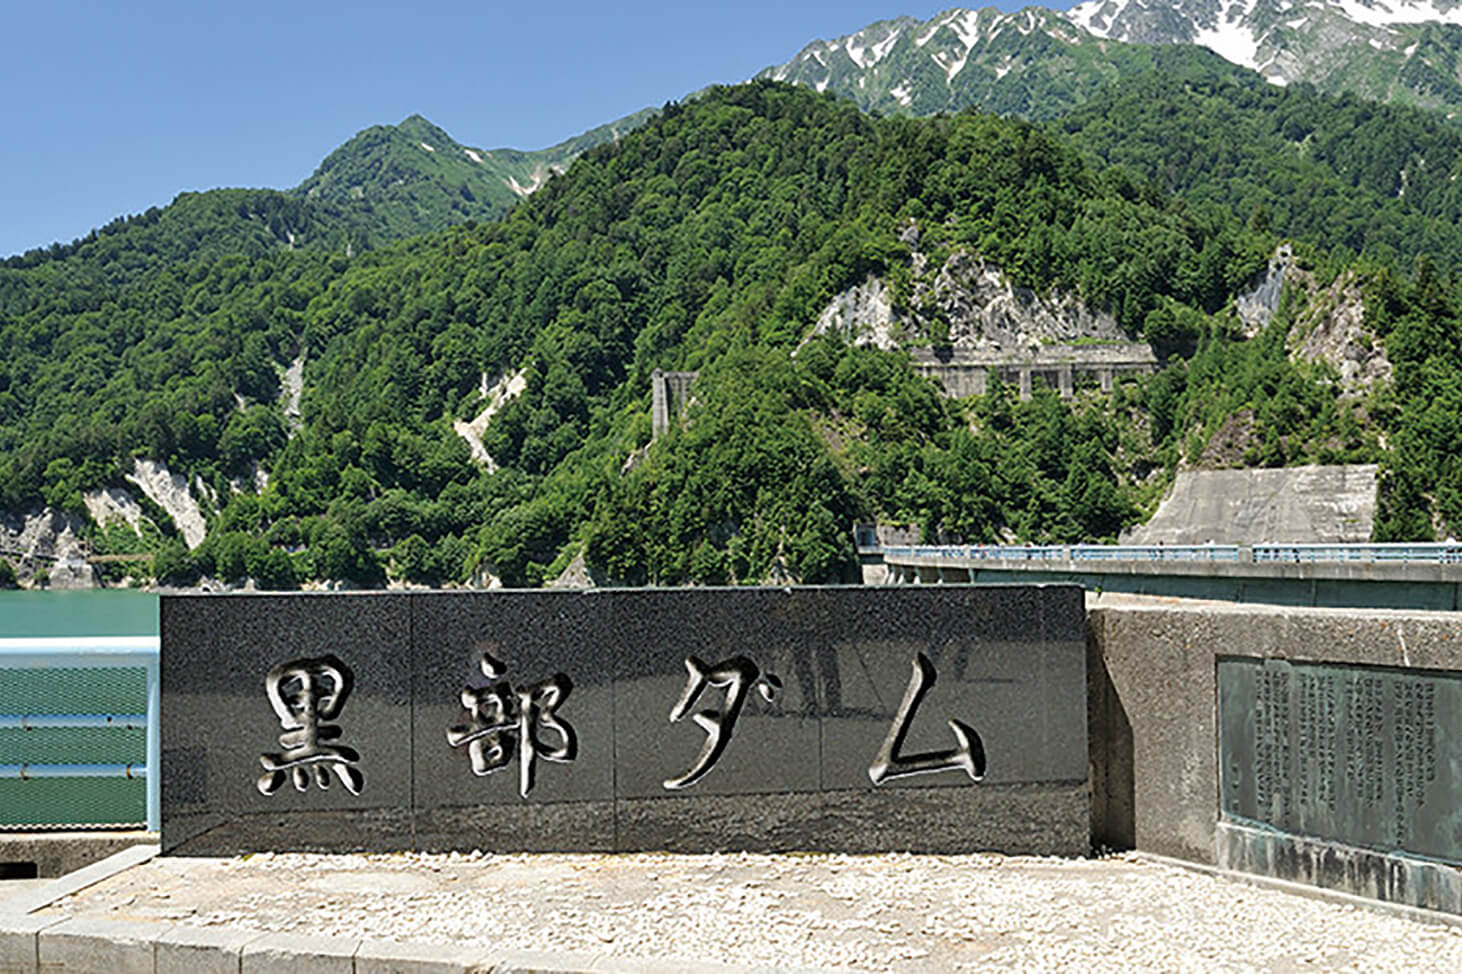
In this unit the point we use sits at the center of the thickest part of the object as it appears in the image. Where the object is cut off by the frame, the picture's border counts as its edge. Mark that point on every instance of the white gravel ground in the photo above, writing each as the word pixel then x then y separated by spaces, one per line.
pixel 890 912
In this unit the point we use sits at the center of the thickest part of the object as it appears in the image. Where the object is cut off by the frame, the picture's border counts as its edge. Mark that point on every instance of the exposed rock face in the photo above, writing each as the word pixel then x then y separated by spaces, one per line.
pixel 972 303
pixel 291 386
pixel 1332 329
pixel 72 571
pixel 47 541
pixel 499 394
pixel 578 575
pixel 170 492
pixel 1256 307
pixel 1297 505
pixel 986 312
pixel 862 314
pixel 113 504
pixel 1328 323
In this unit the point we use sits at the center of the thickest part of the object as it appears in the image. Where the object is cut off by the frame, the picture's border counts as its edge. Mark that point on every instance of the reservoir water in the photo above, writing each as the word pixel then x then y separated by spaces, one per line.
pixel 87 612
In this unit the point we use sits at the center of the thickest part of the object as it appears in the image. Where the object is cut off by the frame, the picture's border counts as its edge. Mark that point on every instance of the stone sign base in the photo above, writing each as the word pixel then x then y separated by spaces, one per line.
pixel 947 719
pixel 1391 877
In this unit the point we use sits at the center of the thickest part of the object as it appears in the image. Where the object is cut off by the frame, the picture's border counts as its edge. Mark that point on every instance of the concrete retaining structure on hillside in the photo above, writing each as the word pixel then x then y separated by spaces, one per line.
pixel 1285 505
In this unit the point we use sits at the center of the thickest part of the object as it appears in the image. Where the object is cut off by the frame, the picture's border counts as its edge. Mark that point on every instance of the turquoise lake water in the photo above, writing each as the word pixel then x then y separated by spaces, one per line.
pixel 89 612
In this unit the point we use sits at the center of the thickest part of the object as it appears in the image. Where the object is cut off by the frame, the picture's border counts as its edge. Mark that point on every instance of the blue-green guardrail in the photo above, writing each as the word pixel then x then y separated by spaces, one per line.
pixel 1420 553
pixel 79 738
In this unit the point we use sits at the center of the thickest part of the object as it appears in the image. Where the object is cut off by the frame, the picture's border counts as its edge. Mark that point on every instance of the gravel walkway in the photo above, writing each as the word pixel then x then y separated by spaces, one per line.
pixel 891 912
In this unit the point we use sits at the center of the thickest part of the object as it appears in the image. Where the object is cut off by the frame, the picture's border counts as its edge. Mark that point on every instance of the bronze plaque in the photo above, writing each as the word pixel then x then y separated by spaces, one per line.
pixel 1363 755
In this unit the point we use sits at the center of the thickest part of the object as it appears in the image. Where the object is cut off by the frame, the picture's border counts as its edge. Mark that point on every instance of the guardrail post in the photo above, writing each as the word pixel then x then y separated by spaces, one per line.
pixel 154 744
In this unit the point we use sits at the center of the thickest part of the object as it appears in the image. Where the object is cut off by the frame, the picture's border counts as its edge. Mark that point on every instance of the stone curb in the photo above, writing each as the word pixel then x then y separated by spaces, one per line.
pixel 202 950
pixel 30 944
pixel 98 944
pixel 20 943
pixel 1338 897
pixel 74 882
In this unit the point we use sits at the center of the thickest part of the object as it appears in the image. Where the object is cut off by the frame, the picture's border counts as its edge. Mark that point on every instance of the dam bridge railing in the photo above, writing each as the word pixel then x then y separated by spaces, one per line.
pixel 1374 575
pixel 1434 553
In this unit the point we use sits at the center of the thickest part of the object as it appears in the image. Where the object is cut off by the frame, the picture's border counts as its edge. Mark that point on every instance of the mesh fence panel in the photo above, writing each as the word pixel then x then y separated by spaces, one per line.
pixel 73 690
pixel 73 802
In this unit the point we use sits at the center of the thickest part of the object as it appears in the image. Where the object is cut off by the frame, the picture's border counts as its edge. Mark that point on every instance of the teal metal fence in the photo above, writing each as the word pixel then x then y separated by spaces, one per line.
pixel 80 745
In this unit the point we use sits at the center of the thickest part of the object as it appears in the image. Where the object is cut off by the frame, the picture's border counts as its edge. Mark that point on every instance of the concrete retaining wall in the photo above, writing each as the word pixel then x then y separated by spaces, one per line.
pixel 1152 668
pixel 1289 505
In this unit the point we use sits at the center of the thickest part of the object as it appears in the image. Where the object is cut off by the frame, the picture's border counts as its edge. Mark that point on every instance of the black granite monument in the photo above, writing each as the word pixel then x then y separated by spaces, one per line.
pixel 946 719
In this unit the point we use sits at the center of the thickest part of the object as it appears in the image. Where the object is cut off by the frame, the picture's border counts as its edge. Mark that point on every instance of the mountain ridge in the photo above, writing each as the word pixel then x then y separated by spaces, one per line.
pixel 377 186
pixel 711 240
pixel 1036 62
pixel 1032 62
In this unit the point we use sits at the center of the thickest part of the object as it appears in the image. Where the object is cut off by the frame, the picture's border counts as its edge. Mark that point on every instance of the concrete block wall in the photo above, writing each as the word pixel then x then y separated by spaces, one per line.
pixel 1152 672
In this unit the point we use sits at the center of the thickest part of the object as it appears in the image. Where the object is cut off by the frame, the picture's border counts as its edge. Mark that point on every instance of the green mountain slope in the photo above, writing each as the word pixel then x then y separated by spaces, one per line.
pixel 412 178
pixel 195 226
pixel 388 183
pixel 1033 63
pixel 1340 173
pixel 708 239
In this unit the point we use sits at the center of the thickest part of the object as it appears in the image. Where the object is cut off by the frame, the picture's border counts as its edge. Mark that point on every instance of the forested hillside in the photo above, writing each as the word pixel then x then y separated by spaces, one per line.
pixel 387 183
pixel 1347 175
pixel 708 239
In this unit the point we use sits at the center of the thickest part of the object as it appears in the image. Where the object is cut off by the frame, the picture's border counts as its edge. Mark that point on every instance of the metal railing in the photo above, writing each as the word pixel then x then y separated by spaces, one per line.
pixel 1438 553
pixel 87 653
pixel 1196 552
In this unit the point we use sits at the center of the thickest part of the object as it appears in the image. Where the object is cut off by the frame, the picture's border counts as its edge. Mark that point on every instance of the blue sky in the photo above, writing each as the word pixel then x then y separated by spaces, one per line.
pixel 115 107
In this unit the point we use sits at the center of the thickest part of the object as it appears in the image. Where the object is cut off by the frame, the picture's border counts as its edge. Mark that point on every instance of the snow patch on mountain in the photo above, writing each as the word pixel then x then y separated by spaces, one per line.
pixel 966 24
pixel 928 34
pixel 1388 13
pixel 951 63
pixel 881 49
pixel 1230 36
